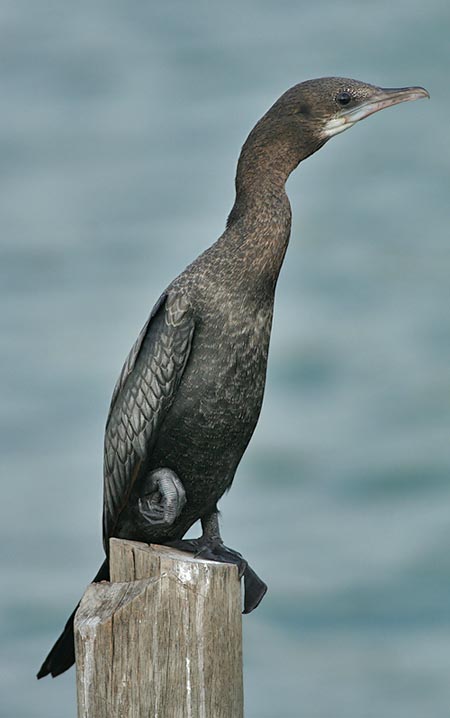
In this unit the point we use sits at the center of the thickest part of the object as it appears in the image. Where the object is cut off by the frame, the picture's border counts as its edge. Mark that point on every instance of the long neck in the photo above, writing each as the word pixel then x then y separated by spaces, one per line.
pixel 260 220
pixel 267 159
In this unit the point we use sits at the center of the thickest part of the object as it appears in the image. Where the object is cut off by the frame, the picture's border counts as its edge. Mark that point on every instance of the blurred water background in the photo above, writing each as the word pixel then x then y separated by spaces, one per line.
pixel 120 127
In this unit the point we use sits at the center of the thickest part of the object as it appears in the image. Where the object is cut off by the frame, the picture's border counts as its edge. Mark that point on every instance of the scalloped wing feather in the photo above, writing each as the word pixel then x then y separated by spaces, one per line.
pixel 141 398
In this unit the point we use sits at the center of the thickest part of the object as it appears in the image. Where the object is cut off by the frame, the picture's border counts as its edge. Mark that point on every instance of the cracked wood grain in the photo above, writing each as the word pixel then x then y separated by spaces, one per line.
pixel 162 640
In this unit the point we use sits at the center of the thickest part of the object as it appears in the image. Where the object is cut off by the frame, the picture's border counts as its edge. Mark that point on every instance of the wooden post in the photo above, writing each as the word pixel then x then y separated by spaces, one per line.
pixel 162 640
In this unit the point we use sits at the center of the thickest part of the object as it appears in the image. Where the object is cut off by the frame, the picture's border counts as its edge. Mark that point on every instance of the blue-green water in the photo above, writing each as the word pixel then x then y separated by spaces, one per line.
pixel 120 126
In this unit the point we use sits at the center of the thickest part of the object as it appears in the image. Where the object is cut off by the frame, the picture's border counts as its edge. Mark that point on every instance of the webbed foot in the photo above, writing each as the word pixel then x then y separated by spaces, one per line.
pixel 163 499
pixel 215 550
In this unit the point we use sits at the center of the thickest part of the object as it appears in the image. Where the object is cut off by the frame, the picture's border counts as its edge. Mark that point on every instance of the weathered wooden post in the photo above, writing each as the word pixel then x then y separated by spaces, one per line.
pixel 163 639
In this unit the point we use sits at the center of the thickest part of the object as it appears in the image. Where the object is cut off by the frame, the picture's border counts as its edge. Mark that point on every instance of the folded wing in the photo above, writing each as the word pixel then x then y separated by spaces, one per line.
pixel 141 398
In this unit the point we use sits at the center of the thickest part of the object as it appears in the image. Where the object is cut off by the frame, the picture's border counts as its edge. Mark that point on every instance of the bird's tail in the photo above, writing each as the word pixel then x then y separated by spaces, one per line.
pixel 62 655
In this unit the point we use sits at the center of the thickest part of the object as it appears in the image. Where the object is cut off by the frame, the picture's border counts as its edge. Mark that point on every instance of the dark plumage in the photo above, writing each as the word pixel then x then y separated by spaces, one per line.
pixel 189 395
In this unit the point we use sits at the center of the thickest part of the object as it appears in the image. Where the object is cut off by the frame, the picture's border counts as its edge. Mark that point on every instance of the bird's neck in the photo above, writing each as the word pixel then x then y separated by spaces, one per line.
pixel 260 220
pixel 267 159
pixel 258 231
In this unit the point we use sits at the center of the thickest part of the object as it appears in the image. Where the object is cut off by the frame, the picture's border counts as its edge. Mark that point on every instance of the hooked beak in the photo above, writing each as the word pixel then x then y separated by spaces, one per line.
pixel 379 100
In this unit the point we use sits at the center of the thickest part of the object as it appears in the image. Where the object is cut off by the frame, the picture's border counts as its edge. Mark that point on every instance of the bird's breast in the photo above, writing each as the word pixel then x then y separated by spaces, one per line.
pixel 218 402
pixel 232 368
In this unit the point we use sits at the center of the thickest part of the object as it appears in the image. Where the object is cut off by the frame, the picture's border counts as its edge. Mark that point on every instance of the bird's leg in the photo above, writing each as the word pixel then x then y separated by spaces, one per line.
pixel 162 498
pixel 211 546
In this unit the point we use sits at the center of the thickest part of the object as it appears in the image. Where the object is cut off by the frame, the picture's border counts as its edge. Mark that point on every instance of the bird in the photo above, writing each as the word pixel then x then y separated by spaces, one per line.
pixel 189 395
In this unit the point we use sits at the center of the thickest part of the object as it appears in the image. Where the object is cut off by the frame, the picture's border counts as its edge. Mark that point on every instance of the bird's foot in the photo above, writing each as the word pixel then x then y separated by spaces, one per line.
pixel 214 550
pixel 163 498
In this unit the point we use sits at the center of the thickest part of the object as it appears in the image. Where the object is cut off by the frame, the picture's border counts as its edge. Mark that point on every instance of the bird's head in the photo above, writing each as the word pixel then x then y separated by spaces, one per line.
pixel 312 112
pixel 337 103
pixel 302 120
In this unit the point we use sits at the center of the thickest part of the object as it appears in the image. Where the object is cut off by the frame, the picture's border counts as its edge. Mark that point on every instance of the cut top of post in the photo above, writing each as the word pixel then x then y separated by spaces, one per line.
pixel 164 638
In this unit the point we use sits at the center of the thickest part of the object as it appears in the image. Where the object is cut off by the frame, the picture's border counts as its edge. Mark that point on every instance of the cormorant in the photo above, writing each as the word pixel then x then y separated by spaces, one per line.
pixel 189 395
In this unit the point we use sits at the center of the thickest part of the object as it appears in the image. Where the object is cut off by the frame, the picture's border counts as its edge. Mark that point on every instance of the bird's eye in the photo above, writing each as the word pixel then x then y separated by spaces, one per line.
pixel 343 98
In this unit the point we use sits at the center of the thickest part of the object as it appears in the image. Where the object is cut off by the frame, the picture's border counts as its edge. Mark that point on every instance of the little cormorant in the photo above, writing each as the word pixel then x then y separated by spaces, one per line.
pixel 189 395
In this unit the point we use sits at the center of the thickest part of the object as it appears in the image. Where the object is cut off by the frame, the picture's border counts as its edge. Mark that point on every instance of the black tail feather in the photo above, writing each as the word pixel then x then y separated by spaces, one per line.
pixel 62 655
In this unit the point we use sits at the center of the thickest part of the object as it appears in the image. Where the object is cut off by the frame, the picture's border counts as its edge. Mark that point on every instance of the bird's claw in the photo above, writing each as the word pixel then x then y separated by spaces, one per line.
pixel 164 498
pixel 254 588
pixel 224 555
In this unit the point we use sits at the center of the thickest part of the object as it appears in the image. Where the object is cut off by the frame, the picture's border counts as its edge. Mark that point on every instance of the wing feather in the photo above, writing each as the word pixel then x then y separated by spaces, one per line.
pixel 141 398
